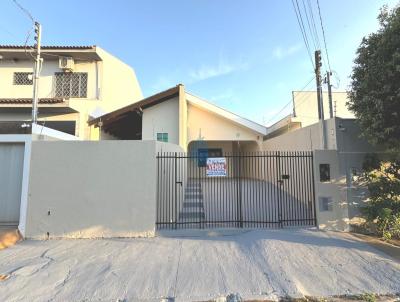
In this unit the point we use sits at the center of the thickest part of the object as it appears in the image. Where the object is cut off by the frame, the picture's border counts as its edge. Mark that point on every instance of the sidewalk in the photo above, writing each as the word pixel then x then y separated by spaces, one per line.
pixel 257 264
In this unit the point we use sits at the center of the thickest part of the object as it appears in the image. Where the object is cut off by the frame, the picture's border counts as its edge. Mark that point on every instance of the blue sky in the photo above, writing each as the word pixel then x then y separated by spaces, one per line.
pixel 246 56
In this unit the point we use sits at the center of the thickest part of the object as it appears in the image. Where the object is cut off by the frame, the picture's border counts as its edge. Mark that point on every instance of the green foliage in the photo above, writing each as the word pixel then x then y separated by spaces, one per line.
pixel 374 96
pixel 383 180
pixel 368 297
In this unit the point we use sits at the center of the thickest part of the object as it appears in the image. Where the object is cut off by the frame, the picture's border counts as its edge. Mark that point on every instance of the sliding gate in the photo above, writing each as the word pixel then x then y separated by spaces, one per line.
pixel 249 190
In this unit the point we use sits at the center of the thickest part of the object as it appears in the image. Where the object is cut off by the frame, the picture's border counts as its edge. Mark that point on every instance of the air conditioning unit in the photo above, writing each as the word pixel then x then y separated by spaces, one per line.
pixel 66 63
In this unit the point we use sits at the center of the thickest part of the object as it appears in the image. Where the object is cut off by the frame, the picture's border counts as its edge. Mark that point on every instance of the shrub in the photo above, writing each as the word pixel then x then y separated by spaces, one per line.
pixel 382 177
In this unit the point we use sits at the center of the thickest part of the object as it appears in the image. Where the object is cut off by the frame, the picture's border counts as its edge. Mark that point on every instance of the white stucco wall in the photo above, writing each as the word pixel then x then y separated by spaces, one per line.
pixel 88 189
pixel 162 118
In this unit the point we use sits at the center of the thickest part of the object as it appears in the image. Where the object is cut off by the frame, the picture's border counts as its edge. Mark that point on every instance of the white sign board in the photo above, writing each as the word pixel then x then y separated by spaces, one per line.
pixel 216 166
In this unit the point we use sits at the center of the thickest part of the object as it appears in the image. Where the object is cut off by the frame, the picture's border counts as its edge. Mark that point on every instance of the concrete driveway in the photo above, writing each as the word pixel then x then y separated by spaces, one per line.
pixel 257 264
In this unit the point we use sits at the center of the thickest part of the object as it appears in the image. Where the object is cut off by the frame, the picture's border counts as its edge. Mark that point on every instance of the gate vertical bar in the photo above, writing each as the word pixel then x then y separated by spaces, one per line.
pixel 175 193
pixel 239 194
pixel 313 190
pixel 278 158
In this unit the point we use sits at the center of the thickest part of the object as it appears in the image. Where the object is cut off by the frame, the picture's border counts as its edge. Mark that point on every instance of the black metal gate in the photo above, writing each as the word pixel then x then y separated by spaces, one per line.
pixel 255 190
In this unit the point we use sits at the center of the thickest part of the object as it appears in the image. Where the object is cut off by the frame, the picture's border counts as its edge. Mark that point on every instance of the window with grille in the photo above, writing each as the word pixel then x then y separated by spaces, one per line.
pixel 71 84
pixel 162 137
pixel 23 78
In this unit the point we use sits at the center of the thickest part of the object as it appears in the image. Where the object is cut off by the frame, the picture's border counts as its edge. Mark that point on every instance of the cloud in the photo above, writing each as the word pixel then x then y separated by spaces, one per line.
pixel 162 83
pixel 228 94
pixel 280 53
pixel 211 71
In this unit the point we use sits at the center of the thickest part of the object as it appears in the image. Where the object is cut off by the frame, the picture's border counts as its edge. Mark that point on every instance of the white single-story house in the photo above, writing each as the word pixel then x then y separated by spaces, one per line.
pixel 179 117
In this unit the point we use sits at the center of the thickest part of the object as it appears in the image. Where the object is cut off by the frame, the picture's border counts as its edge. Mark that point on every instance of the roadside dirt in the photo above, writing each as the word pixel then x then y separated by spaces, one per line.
pixel 9 237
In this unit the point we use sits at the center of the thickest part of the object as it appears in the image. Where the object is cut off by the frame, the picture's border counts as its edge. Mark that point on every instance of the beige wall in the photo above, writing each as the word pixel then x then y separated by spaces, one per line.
pixel 162 118
pixel 204 125
pixel 303 139
pixel 46 83
pixel 98 189
pixel 111 84
pixel 337 218
pixel 306 107
pixel 120 86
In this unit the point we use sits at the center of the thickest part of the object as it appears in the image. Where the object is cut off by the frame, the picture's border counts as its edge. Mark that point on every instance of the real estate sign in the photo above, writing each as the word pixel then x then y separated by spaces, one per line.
pixel 216 166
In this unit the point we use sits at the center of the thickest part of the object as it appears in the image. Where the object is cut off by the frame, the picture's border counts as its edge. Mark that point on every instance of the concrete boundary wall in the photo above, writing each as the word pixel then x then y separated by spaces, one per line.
pixel 335 216
pixel 91 189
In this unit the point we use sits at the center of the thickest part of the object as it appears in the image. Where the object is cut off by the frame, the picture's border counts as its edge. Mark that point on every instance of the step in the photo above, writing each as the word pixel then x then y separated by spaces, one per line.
pixel 193 190
pixel 194 196
pixel 191 215
pixel 193 204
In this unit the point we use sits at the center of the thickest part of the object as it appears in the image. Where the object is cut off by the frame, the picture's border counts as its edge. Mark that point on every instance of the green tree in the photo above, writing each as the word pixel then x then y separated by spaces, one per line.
pixel 375 99
pixel 374 96
pixel 383 180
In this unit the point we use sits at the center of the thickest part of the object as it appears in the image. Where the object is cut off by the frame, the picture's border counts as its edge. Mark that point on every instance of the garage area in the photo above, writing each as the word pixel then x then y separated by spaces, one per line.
pixel 11 172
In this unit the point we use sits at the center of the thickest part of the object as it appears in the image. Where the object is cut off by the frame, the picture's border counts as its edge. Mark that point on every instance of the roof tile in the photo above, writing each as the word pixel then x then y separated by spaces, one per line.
pixel 29 100
pixel 49 47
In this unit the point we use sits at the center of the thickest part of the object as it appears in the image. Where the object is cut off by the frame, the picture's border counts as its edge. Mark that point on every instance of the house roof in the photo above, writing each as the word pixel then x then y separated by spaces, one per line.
pixel 20 52
pixel 29 100
pixel 196 101
pixel 48 47
pixel 192 99
pixel 147 102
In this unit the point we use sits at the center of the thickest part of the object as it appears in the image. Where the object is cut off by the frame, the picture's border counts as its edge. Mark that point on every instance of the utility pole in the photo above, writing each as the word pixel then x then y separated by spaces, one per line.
pixel 321 117
pixel 35 99
pixel 328 81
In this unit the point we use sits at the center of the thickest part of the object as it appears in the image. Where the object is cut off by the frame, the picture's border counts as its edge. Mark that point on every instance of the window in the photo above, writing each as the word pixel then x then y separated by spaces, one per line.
pixel 324 172
pixel 162 137
pixel 325 204
pixel 23 78
pixel 203 154
pixel 71 84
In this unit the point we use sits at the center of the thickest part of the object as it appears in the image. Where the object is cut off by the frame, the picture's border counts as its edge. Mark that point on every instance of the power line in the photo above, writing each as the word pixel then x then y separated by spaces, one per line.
pixel 303 32
pixel 285 106
pixel 314 39
pixel 313 22
pixel 25 11
pixel 323 35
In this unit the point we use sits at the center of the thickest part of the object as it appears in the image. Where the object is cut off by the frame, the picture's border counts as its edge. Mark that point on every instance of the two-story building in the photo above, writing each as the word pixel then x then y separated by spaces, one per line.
pixel 76 83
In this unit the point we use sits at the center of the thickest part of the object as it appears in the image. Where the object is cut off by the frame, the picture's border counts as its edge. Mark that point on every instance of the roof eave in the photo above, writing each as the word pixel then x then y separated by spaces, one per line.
pixel 145 103
pixel 244 122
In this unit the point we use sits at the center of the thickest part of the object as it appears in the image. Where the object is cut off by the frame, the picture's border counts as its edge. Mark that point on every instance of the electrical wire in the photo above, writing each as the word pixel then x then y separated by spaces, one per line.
pixel 302 29
pixel 323 35
pixel 313 22
pixel 290 102
pixel 25 11
pixel 313 37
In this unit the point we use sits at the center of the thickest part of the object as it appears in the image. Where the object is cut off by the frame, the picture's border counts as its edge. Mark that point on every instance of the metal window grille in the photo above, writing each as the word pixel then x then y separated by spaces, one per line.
pixel 23 78
pixel 162 137
pixel 71 84
pixel 325 204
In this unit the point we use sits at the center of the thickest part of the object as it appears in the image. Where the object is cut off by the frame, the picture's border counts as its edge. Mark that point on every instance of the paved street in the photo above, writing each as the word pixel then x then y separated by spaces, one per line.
pixel 256 264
